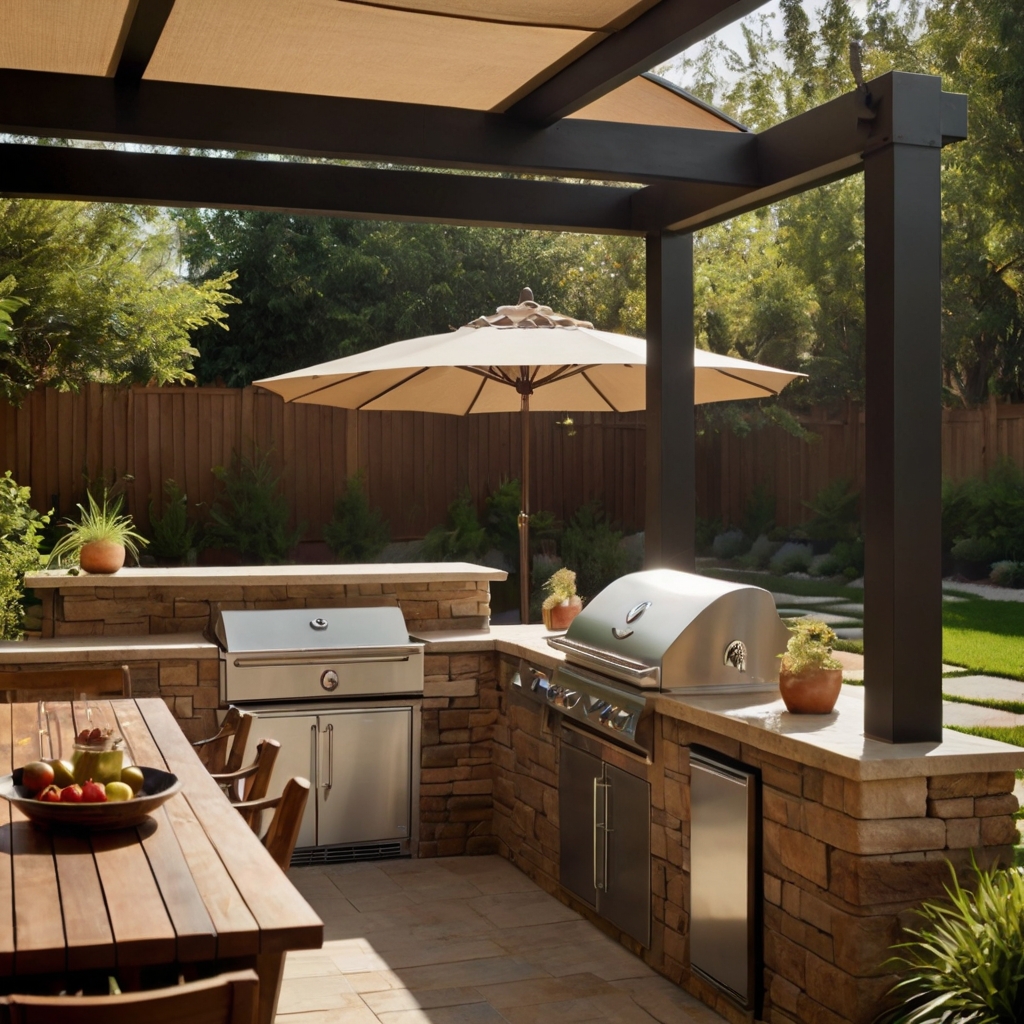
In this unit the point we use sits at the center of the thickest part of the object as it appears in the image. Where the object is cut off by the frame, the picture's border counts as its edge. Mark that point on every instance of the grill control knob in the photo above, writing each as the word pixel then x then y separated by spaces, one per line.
pixel 318 624
pixel 329 679
pixel 607 713
pixel 621 720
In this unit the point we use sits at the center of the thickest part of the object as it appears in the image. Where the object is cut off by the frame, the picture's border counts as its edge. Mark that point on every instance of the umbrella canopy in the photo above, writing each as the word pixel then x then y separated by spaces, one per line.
pixel 523 358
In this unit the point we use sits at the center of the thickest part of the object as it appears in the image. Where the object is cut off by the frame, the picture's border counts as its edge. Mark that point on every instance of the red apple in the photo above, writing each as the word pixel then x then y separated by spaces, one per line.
pixel 50 795
pixel 36 776
pixel 71 794
pixel 93 793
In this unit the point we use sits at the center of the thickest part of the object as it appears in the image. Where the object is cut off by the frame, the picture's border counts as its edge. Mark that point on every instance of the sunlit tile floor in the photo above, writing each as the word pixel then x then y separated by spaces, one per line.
pixel 463 940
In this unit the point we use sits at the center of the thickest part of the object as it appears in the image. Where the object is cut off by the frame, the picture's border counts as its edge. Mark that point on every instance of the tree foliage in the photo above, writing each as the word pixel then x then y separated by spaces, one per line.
pixel 89 291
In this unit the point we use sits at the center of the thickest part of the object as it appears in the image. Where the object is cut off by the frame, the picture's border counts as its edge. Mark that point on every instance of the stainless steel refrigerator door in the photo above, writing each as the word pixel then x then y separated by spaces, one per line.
pixel 579 784
pixel 297 734
pixel 722 829
pixel 364 775
pixel 625 898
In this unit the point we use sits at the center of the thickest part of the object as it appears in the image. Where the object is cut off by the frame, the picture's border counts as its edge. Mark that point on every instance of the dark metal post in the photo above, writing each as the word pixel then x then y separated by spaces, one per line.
pixel 903 557
pixel 670 516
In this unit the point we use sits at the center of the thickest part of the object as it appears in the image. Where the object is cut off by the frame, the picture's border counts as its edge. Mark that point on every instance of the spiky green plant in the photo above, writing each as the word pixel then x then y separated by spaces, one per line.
pixel 966 962
pixel 101 521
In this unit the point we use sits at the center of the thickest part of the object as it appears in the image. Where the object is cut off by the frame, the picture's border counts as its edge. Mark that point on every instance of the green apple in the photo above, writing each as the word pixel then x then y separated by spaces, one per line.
pixel 133 777
pixel 119 791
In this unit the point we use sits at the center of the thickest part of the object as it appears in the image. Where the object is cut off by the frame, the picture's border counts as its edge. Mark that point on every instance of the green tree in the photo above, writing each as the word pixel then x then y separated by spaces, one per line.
pixel 98 297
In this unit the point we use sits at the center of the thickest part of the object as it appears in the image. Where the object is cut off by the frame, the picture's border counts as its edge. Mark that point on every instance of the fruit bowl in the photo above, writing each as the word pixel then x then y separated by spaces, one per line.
pixel 158 787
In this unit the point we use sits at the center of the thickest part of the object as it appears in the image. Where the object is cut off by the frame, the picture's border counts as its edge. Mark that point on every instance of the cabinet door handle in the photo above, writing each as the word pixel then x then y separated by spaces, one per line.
pixel 330 757
pixel 601 831
pixel 315 747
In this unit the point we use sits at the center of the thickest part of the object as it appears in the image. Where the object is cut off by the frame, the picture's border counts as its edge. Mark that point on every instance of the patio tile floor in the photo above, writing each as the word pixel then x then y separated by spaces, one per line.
pixel 463 940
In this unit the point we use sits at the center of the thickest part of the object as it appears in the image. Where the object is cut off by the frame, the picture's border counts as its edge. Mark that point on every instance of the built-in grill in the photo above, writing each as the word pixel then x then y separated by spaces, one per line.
pixel 659 630
pixel 339 689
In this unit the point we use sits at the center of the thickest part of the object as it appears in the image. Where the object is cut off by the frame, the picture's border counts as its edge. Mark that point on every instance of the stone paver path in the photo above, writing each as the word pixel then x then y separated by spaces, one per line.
pixel 463 940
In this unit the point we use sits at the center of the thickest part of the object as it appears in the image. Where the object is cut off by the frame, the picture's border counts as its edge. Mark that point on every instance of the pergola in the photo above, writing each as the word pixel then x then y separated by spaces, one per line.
pixel 550 89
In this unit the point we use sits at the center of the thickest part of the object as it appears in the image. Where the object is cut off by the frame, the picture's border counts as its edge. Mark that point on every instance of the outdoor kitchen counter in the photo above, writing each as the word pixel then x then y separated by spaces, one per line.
pixel 835 743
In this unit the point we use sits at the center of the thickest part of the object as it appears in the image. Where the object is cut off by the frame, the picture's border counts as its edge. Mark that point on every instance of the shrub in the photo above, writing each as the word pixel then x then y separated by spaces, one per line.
pixel 974 556
pixel 21 528
pixel 356 532
pixel 791 557
pixel 1008 574
pixel 250 515
pixel 987 510
pixel 501 519
pixel 761 552
pixel 966 961
pixel 825 565
pixel 174 534
pixel 730 544
pixel 460 537
pixel 835 515
pixel 591 548
pixel 759 514
pixel 849 554
pixel 706 531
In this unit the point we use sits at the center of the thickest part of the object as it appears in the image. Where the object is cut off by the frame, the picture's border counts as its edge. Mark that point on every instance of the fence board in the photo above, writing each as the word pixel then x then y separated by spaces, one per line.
pixel 415 463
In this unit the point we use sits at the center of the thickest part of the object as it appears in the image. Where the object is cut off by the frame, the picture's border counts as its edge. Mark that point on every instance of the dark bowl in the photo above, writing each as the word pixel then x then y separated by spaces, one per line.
pixel 157 787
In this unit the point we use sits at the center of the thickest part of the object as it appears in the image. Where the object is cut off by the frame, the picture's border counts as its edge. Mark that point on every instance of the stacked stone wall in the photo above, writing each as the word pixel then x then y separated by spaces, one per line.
pixel 148 610
pixel 460 708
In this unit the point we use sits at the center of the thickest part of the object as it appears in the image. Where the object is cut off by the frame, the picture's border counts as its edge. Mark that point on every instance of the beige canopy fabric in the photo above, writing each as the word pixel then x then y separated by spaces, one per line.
pixel 576 369
pixel 524 357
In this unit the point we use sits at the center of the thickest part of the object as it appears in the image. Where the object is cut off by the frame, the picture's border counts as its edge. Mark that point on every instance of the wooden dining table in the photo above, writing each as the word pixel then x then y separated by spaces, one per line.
pixel 192 888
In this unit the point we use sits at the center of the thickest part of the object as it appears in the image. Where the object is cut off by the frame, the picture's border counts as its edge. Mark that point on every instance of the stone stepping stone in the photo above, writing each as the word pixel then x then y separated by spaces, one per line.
pixel 794 601
pixel 849 632
pixel 953 599
pixel 984 687
pixel 971 714
pixel 856 610
pixel 827 617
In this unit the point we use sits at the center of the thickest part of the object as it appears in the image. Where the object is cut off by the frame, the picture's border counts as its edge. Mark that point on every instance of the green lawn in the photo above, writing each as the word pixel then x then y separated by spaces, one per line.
pixel 985 636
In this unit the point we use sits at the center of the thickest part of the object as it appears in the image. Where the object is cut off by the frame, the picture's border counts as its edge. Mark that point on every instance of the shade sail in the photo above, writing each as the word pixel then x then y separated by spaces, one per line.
pixel 588 371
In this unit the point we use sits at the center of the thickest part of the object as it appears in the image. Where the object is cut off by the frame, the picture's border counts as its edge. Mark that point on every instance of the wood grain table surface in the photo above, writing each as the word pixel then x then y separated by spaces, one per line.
pixel 192 885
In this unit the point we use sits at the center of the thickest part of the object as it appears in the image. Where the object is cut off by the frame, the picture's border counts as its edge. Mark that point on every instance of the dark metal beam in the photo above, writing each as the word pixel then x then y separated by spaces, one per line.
pixel 811 149
pixel 57 172
pixel 144 21
pixel 670 512
pixel 903 423
pixel 42 104
pixel 658 34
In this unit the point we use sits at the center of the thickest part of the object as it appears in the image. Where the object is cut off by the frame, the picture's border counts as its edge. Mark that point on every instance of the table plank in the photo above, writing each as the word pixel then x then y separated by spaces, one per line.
pixel 285 919
pixel 196 934
pixel 38 920
pixel 6 877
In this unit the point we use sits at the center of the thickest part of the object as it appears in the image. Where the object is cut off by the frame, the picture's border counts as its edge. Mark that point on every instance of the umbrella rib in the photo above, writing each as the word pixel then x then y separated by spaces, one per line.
pixel 490 374
pixel 324 387
pixel 604 397
pixel 743 380
pixel 397 384
pixel 477 395
pixel 558 375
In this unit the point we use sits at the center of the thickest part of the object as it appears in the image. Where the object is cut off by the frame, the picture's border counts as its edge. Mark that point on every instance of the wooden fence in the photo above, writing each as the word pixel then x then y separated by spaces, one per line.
pixel 416 463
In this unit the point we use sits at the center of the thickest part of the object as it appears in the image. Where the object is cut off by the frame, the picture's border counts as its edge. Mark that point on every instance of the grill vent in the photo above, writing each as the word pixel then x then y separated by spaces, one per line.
pixel 343 854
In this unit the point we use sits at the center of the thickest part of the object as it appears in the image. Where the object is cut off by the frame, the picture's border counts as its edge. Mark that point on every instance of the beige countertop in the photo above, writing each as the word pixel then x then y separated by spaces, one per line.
pixel 164 647
pixel 834 743
pixel 268 575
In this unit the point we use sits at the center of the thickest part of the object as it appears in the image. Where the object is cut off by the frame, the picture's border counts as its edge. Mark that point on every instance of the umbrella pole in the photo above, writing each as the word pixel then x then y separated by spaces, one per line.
pixel 524 514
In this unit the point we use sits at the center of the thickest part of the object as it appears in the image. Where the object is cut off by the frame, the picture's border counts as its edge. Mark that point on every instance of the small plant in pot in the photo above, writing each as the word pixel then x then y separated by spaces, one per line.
pixel 810 678
pixel 562 604
pixel 100 539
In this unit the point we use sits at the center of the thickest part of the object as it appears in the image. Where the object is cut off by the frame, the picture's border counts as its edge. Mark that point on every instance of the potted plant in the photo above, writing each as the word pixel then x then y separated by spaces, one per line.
pixel 810 678
pixel 100 539
pixel 562 604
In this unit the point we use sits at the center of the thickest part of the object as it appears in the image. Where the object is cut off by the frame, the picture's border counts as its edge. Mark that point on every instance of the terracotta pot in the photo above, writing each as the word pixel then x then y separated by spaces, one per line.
pixel 101 556
pixel 813 692
pixel 562 614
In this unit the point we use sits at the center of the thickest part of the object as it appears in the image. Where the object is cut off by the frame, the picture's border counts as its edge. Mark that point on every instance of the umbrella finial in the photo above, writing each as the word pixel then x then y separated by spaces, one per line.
pixel 526 295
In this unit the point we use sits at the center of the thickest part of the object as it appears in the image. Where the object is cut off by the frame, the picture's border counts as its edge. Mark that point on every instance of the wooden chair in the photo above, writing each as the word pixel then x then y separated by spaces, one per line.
pixel 253 782
pixel 65 684
pixel 284 826
pixel 227 999
pixel 224 752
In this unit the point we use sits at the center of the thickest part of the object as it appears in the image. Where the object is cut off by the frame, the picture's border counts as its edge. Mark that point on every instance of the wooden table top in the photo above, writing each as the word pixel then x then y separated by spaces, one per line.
pixel 191 884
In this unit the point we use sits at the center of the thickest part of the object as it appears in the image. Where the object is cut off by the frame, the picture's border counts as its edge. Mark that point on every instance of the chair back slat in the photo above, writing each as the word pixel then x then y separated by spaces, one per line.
pixel 256 785
pixel 224 751
pixel 283 832
pixel 227 999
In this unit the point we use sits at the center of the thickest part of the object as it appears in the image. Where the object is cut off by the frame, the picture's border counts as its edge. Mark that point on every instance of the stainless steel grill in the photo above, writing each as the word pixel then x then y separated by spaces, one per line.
pixel 340 689
pixel 659 630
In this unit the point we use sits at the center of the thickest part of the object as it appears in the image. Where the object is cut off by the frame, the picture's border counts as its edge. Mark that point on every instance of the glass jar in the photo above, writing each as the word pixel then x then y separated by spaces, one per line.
pixel 100 762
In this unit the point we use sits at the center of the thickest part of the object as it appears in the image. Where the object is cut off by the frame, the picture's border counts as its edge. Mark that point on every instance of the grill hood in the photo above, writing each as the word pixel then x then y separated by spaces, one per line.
pixel 677 631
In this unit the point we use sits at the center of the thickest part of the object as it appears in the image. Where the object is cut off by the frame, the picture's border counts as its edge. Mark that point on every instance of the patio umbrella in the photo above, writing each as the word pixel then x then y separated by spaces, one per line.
pixel 523 357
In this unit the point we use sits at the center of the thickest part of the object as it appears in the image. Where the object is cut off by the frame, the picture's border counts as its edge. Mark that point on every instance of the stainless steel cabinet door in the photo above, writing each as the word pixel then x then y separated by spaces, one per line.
pixel 364 770
pixel 722 860
pixel 579 776
pixel 297 734
pixel 626 897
